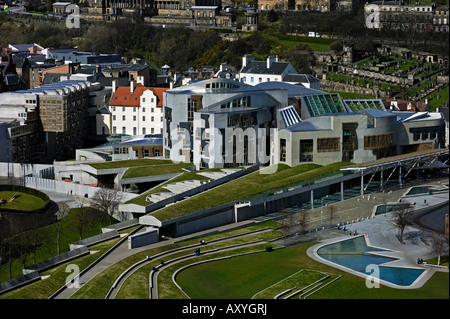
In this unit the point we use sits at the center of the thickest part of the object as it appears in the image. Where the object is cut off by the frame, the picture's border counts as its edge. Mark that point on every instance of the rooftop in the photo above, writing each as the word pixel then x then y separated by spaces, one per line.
pixel 124 97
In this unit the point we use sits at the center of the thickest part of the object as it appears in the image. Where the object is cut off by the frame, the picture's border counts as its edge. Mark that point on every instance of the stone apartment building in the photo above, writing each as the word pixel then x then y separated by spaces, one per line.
pixel 197 13
pixel 297 5
pixel 46 123
pixel 136 110
pixel 395 15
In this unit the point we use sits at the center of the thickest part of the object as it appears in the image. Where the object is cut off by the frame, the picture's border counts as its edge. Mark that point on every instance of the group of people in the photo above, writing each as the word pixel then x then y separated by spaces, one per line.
pixel 419 260
pixel 344 227
pixel 197 250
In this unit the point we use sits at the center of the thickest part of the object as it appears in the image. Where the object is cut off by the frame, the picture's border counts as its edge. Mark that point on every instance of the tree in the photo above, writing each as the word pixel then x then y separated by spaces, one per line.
pixel 302 220
pixel 331 210
pixel 107 201
pixel 402 217
pixel 439 244
pixel 63 211
pixel 82 203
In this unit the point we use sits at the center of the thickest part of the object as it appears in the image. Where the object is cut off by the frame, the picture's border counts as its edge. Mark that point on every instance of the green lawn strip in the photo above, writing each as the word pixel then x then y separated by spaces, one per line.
pixel 168 290
pixel 251 184
pixel 22 201
pixel 99 286
pixel 242 277
pixel 43 289
pixel 443 262
pixel 131 163
pixel 152 170
pixel 294 282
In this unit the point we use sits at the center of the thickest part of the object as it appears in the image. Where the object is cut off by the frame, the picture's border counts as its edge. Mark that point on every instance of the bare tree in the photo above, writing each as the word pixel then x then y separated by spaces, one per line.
pixel 402 217
pixel 331 210
pixel 439 244
pixel 107 201
pixel 82 203
pixel 63 211
pixel 302 220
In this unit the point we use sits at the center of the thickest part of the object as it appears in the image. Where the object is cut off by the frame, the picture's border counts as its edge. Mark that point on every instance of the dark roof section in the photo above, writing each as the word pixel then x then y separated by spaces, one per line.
pixel 260 67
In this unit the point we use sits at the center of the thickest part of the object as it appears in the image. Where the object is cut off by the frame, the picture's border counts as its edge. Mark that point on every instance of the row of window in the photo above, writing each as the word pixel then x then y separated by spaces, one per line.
pixel 124 108
pixel 124 118
pixel 260 80
pixel 135 130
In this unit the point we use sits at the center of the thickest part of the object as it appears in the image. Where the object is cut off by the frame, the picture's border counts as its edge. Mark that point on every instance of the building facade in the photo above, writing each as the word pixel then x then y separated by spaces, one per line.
pixel 395 15
pixel 136 110
pixel 255 72
pixel 215 122
pixel 46 123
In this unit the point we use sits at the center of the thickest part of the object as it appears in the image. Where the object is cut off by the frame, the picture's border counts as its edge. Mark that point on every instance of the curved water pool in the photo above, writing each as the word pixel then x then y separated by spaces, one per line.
pixel 356 255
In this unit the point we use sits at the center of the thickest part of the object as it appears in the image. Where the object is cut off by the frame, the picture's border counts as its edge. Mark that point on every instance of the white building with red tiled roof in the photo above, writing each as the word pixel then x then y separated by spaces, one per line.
pixel 136 110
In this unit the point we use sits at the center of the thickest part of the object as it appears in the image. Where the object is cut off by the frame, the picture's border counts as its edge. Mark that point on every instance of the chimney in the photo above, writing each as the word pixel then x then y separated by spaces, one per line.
pixel 223 67
pixel 132 86
pixel 114 86
pixel 246 59
pixel 271 59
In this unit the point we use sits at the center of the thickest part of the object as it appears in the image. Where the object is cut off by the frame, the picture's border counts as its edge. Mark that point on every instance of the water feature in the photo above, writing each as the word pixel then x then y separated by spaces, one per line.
pixel 356 255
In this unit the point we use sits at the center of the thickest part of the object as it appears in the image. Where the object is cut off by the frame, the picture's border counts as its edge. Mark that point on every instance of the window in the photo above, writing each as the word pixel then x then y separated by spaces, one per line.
pixel 124 130
pixel 134 130
pixel 114 117
pixel 330 144
pixel 152 119
pixel 134 117
pixel 143 130
pixel 282 150
pixel 123 118
pixel 143 119
pixel 306 150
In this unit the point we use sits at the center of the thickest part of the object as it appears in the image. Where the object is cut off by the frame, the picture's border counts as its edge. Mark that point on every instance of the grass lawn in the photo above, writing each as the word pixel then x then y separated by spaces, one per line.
pixel 184 176
pixel 248 185
pixel 436 99
pixel 151 170
pixel 46 239
pixel 42 289
pixel 243 277
pixel 23 201
pixel 136 286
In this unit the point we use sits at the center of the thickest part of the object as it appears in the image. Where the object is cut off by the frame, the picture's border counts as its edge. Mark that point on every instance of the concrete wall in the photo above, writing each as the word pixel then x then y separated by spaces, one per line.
pixel 19 281
pixel 217 217
pixel 150 236
pixel 18 170
pixel 67 188
pixel 94 239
